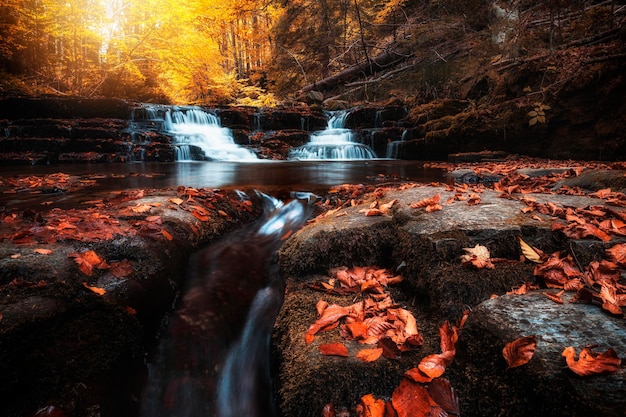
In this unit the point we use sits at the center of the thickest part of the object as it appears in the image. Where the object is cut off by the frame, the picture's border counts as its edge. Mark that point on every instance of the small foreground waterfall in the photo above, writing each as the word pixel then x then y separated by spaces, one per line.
pixel 195 127
pixel 335 142
pixel 213 359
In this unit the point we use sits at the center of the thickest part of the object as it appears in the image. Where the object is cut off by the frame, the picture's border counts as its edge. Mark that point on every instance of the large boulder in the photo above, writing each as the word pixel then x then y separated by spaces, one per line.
pixel 425 247
pixel 544 386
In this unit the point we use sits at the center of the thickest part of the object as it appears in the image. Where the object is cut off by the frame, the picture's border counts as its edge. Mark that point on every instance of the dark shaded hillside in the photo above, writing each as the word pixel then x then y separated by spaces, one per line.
pixel 544 79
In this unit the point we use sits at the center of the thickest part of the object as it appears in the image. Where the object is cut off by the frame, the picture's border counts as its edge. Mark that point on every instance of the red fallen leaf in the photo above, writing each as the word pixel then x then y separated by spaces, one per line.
pixel 42 251
pixel 608 295
pixel 336 349
pixel 416 375
pixel 369 355
pixel 426 201
pixel 130 310
pixel 154 219
pixel 556 297
pixel 222 213
pixel 444 395
pixel 473 199
pixel 167 234
pixel 331 315
pixel 390 349
pixel 448 336
pixel 200 216
pixel 176 201
pixel 410 399
pixel 141 208
pixel 88 260
pixel 617 253
pixel 461 322
pixel 372 212
pixel 590 362
pixel 97 290
pixel 435 365
pixel 357 329
pixel 433 207
pixel 371 406
pixel 121 269
pixel 520 351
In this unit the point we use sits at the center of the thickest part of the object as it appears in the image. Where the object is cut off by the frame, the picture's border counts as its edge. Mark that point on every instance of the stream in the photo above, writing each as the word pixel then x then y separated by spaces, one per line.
pixel 214 357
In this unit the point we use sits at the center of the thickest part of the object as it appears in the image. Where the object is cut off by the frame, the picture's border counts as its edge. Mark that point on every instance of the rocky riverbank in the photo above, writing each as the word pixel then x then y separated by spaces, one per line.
pixel 78 130
pixel 83 290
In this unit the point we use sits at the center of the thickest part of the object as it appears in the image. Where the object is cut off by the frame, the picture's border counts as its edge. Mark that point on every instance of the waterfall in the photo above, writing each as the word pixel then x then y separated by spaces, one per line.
pixel 335 142
pixel 394 147
pixel 195 127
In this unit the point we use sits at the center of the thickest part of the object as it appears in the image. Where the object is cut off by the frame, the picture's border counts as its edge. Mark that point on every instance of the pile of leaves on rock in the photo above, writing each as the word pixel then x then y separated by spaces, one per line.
pixel 385 330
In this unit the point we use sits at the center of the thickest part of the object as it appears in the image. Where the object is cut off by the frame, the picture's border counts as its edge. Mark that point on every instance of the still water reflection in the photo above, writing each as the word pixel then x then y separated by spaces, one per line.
pixel 267 176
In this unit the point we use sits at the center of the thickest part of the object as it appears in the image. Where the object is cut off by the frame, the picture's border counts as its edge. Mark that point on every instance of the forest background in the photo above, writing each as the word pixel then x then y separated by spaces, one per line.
pixel 261 52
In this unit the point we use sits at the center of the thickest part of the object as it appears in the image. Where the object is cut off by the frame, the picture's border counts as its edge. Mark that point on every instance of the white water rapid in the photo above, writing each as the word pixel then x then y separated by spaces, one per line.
pixel 334 143
pixel 195 127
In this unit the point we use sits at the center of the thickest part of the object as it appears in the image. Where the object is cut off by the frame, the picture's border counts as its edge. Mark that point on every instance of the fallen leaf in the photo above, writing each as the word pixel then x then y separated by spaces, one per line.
pixel 478 256
pixel 334 349
pixel 369 355
pixel 530 253
pixel 372 407
pixel 141 208
pixel 97 290
pixel 198 215
pixel 88 260
pixel 556 297
pixel 411 399
pixel 121 269
pixel 590 362
pixel 431 203
pixel 176 201
pixel 167 234
pixel 444 395
pixel 433 366
pixel 520 351
pixel 43 251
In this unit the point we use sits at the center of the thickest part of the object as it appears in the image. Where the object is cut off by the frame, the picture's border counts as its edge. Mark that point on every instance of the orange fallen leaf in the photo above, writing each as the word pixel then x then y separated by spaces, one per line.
pixel 430 204
pixel 141 208
pixel 167 234
pixel 590 362
pixel 411 399
pixel 530 253
pixel 176 201
pixel 198 215
pixel 433 366
pixel 444 395
pixel 121 269
pixel 97 290
pixel 473 199
pixel 369 355
pixel 520 351
pixel 43 251
pixel 88 260
pixel 335 349
pixel 371 406
pixel 556 297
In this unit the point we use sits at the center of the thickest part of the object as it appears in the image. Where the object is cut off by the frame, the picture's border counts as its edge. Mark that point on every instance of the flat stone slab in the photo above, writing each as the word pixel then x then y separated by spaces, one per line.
pixel 544 386
pixel 425 247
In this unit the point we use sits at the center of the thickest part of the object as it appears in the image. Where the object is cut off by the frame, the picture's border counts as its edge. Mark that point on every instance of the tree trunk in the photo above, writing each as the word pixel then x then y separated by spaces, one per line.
pixel 382 61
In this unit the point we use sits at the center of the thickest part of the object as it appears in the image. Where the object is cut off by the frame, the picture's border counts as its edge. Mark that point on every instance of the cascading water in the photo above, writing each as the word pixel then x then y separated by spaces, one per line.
pixel 335 142
pixel 195 127
pixel 213 360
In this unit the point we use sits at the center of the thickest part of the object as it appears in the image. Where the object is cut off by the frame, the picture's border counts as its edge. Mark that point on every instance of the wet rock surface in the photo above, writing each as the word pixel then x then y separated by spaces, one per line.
pixel 425 247
pixel 545 386
pixel 76 338
pixel 82 347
